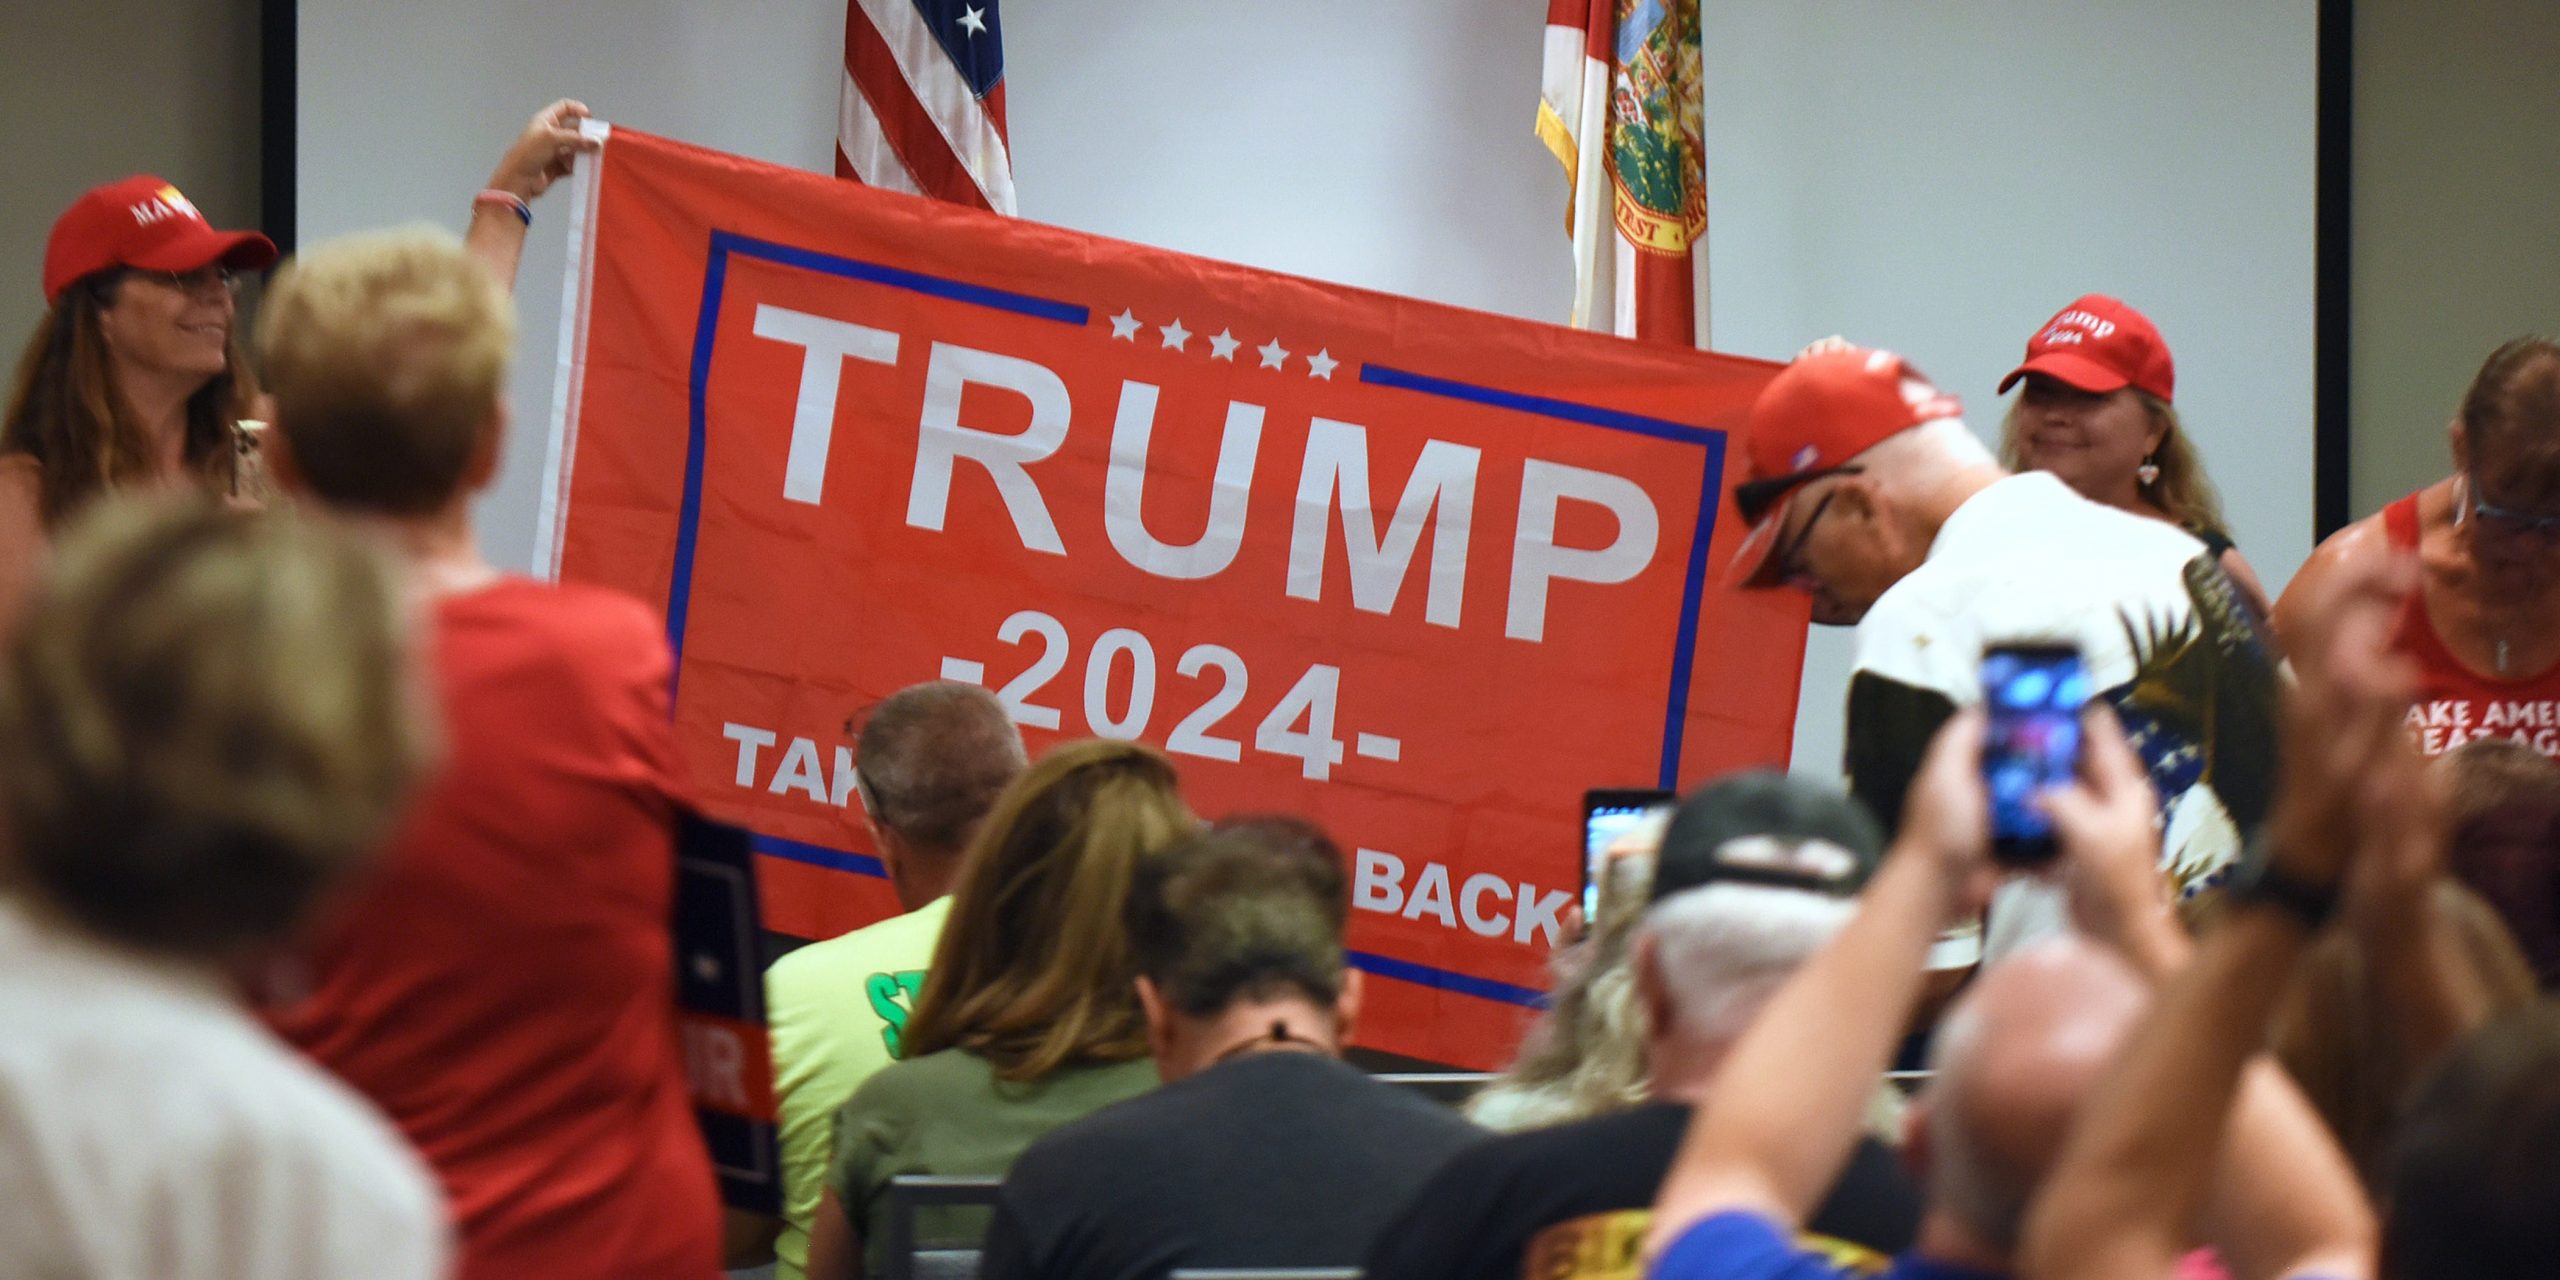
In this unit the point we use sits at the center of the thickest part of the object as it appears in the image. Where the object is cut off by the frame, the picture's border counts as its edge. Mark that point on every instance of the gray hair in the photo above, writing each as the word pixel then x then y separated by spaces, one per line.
pixel 1723 949
pixel 1920 459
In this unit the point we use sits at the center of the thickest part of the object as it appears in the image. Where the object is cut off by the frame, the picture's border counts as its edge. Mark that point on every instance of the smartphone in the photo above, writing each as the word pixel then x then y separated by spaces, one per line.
pixel 2034 693
pixel 1606 815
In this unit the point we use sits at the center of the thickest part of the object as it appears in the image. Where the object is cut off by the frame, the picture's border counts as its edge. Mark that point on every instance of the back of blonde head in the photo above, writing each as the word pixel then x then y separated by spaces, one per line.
pixel 387 356
pixel 207 719
pixel 1585 1056
pixel 1033 970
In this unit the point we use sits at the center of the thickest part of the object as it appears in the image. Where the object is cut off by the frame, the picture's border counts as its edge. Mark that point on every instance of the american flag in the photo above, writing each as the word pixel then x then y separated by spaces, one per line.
pixel 923 105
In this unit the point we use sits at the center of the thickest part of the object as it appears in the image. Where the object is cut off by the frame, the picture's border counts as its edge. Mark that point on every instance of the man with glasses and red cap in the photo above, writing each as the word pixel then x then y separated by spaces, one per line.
pixel 2484 624
pixel 1865 490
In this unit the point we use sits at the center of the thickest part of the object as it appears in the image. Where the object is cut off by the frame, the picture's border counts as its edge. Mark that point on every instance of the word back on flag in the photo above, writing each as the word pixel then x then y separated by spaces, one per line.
pixel 1419 574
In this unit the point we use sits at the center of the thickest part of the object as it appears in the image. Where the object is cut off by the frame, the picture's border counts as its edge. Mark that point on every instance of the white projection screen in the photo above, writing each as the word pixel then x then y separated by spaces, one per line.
pixel 1937 178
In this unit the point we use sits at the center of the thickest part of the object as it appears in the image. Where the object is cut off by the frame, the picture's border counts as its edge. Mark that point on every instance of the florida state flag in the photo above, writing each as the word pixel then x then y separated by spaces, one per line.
pixel 1622 108
pixel 1419 574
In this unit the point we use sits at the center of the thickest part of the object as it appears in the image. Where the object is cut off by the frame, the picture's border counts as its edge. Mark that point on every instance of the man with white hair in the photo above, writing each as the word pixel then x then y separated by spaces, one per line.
pixel 1755 874
pixel 1866 491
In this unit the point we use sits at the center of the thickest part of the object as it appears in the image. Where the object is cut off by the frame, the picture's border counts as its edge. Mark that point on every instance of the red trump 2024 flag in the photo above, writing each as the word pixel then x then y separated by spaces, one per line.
pixel 1419 574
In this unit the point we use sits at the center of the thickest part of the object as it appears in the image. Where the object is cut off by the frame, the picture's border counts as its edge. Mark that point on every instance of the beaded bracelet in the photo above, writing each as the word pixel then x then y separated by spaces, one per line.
pixel 494 196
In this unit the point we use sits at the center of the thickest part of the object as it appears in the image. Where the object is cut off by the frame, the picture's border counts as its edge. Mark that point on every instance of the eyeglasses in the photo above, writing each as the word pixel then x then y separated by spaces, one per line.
pixel 1785 556
pixel 200 282
pixel 2508 518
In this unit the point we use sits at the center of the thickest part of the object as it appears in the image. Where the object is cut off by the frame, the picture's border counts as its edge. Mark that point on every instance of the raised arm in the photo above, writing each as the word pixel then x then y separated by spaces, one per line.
pixel 1788 1104
pixel 2428 984
pixel 540 156
pixel 2135 1172
pixel 2282 1189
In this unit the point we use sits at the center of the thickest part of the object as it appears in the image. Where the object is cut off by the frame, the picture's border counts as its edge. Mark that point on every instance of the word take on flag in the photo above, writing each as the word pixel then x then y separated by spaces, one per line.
pixel 923 105
pixel 1621 107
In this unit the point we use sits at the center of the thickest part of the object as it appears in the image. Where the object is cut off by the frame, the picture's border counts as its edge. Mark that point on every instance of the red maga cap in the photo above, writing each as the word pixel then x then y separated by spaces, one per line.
pixel 1816 415
pixel 2099 344
pixel 143 222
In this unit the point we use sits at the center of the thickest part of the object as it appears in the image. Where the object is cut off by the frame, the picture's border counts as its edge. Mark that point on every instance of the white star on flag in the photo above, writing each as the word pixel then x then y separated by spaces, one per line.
pixel 1125 325
pixel 1222 346
pixel 1175 335
pixel 974 21
pixel 1273 354
pixel 1320 365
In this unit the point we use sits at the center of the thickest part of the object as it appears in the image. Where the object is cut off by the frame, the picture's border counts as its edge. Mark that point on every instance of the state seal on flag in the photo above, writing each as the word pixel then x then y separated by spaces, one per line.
pixel 1657 147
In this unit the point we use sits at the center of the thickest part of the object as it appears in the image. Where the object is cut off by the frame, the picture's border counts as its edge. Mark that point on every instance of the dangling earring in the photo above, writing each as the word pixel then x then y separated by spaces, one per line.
pixel 2148 473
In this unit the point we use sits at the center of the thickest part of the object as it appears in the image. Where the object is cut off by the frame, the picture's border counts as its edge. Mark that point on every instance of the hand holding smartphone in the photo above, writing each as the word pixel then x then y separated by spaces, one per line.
pixel 1607 814
pixel 2033 694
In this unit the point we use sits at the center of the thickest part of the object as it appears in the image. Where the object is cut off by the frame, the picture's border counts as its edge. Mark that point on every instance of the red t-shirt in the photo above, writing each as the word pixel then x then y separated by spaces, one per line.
pixel 2456 704
pixel 504 986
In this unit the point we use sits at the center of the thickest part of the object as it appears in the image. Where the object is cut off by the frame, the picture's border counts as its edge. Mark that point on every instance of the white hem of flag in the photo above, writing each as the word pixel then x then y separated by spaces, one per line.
pixel 560 450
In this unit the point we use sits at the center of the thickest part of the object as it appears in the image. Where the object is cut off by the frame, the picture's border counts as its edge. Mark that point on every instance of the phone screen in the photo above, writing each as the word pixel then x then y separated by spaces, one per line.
pixel 1607 815
pixel 2034 694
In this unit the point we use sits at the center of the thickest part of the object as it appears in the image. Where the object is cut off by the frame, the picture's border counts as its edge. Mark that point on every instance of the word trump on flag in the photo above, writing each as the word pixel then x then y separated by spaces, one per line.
pixel 1418 574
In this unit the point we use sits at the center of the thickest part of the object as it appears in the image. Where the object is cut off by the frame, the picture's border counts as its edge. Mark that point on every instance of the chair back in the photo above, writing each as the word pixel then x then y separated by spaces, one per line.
pixel 906 1258
pixel 1266 1273
pixel 1448 1088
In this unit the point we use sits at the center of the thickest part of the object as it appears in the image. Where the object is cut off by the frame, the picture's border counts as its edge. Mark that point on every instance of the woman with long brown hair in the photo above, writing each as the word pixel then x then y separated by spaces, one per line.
pixel 1029 1017
pixel 2097 413
pixel 135 377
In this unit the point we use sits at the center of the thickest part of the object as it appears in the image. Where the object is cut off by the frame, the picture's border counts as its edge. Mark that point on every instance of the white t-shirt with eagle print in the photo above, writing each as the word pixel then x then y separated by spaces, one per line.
pixel 2166 640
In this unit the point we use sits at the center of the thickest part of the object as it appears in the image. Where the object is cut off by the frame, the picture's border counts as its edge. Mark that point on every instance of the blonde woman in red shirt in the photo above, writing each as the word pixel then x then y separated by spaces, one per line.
pixel 504 988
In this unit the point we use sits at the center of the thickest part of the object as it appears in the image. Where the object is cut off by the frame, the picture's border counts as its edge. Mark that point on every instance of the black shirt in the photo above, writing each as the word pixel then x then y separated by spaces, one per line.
pixel 1274 1159
pixel 1578 1197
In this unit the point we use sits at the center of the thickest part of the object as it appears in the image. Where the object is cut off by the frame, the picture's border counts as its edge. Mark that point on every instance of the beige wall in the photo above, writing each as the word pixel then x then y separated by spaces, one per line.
pixel 93 90
pixel 2456 217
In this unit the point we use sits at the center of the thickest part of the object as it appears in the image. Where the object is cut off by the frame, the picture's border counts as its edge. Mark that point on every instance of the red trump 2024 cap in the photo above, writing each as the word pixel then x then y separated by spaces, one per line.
pixel 2099 344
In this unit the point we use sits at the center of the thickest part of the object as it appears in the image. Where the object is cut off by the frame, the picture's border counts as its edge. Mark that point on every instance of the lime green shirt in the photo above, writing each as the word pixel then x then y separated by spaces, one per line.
pixel 947 1113
pixel 834 1010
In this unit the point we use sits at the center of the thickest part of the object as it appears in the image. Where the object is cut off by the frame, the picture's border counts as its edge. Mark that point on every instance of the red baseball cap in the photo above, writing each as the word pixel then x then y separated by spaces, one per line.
pixel 2099 344
pixel 1817 414
pixel 143 222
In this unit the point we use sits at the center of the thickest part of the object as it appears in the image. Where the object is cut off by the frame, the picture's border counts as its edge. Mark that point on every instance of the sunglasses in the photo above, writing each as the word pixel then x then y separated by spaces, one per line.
pixel 1756 499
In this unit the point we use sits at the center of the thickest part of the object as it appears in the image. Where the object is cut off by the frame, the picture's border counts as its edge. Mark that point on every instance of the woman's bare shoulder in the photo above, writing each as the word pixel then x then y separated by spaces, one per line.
pixel 2358 543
